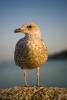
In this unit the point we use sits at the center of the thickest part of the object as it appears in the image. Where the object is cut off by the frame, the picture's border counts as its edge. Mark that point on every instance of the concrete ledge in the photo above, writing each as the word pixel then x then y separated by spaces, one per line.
pixel 33 93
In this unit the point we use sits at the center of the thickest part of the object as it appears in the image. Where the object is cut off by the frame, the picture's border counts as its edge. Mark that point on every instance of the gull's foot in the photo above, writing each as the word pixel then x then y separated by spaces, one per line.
pixel 26 85
pixel 37 85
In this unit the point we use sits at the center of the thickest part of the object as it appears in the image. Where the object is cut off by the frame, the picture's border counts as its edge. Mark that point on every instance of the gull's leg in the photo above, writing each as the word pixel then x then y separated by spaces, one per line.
pixel 37 73
pixel 25 77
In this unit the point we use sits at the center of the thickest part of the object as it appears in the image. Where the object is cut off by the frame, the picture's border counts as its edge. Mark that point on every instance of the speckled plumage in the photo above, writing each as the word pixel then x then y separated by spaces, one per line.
pixel 30 51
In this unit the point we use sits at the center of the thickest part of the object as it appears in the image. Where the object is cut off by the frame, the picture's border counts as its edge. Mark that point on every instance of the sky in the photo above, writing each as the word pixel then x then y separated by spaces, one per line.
pixel 50 15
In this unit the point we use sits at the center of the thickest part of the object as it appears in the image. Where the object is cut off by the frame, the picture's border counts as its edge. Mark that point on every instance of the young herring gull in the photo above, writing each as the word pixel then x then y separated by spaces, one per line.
pixel 30 51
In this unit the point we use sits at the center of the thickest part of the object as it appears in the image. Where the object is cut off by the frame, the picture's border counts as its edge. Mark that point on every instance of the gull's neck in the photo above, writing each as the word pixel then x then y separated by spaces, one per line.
pixel 34 35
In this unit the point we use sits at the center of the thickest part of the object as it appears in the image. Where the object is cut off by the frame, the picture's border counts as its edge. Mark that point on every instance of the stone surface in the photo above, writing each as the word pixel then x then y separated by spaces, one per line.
pixel 33 93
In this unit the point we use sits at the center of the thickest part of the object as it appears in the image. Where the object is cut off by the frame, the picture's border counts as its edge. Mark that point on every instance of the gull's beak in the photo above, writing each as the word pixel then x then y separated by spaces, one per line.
pixel 17 30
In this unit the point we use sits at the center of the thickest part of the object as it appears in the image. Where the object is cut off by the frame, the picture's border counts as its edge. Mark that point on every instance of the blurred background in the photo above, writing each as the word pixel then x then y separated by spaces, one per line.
pixel 51 16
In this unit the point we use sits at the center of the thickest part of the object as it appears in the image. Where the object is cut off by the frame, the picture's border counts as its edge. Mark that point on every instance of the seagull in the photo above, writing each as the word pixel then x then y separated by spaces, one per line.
pixel 30 51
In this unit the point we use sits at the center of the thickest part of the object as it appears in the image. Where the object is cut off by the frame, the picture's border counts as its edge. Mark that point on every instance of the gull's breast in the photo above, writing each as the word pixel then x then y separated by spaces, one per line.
pixel 30 53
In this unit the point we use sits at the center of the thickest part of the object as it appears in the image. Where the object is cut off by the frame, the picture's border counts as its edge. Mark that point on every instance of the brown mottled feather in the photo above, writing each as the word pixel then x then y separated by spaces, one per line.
pixel 30 52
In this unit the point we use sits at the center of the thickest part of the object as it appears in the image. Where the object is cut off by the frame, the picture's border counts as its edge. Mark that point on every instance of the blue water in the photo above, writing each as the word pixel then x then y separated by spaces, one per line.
pixel 54 73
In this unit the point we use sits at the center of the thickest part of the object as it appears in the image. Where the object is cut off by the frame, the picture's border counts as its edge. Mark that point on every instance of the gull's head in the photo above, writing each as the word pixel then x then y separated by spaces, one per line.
pixel 31 29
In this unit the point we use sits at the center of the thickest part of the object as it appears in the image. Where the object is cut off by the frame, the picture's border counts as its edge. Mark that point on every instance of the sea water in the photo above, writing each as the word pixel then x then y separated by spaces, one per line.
pixel 53 74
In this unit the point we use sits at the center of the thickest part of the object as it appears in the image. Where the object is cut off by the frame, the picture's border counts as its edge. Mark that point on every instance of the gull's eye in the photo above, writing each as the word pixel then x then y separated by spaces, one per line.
pixel 29 26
